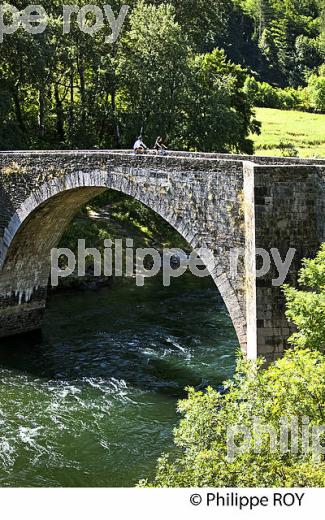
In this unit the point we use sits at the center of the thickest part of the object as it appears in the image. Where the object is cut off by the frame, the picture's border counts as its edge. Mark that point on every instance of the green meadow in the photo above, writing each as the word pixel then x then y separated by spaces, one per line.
pixel 289 132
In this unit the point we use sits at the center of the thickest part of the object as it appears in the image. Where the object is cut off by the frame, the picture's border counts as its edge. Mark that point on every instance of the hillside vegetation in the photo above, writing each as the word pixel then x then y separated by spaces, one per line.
pixel 289 132
pixel 191 71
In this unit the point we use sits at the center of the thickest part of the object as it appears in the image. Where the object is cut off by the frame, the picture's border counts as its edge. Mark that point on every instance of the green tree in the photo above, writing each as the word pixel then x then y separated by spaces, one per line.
pixel 76 90
pixel 256 399
pixel 219 114
pixel 290 35
pixel 204 21
pixel 152 71
pixel 316 92
pixel 306 308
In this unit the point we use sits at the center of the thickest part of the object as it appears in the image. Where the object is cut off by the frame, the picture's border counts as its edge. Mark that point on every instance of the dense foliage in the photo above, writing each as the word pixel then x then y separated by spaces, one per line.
pixel 291 389
pixel 178 69
pixel 290 36
pixel 309 98
pixel 76 90
pixel 306 308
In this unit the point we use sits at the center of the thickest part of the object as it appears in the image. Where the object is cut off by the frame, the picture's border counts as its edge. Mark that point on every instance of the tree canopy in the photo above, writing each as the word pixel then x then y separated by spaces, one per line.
pixel 177 69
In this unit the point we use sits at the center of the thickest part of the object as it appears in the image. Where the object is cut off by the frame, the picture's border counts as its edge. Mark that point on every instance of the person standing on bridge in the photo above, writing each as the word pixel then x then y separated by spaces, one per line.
pixel 139 146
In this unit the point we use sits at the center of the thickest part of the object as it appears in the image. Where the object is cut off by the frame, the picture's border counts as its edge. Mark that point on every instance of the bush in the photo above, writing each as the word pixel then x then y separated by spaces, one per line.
pixel 267 96
pixel 306 308
pixel 288 149
pixel 289 98
pixel 295 382
pixel 316 91
pixel 292 388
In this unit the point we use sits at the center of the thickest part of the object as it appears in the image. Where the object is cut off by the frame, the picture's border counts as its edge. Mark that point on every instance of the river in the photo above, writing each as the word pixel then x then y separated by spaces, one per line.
pixel 94 404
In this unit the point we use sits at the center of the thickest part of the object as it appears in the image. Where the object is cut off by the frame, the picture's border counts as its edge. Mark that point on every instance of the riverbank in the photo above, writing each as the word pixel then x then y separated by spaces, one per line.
pixel 114 216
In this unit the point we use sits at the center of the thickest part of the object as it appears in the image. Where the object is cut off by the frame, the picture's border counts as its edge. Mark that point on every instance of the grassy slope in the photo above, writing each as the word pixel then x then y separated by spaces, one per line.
pixel 303 130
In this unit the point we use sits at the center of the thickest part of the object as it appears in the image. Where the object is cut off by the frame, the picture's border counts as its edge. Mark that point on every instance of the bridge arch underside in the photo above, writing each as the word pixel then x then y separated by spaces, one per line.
pixel 37 227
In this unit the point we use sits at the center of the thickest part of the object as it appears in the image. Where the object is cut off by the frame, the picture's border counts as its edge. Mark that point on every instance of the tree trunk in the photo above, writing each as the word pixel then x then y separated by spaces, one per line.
pixel 81 72
pixel 71 106
pixel 18 111
pixel 41 112
pixel 59 114
pixel 116 125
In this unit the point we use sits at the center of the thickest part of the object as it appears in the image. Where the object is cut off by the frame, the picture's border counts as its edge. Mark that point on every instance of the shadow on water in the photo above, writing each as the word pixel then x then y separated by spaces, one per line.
pixel 39 359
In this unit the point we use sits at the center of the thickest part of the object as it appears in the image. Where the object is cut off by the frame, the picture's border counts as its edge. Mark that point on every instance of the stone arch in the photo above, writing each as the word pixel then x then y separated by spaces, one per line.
pixel 39 222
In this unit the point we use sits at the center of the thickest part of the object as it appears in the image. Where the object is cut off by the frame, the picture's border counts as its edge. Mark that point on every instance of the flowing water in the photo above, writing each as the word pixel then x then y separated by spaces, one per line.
pixel 94 404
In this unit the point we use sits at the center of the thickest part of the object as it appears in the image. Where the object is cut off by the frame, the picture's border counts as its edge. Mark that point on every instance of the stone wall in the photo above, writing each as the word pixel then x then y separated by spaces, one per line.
pixel 289 213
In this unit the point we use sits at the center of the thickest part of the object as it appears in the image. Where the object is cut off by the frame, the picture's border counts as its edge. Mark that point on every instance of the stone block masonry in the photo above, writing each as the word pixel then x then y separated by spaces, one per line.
pixel 221 202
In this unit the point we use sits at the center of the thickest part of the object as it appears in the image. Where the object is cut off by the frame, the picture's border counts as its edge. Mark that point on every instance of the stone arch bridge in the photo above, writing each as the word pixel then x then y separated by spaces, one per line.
pixel 222 202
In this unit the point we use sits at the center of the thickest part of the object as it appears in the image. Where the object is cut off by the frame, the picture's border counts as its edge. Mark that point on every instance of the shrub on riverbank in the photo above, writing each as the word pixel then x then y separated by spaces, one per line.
pixel 263 404
pixel 291 388
pixel 306 306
